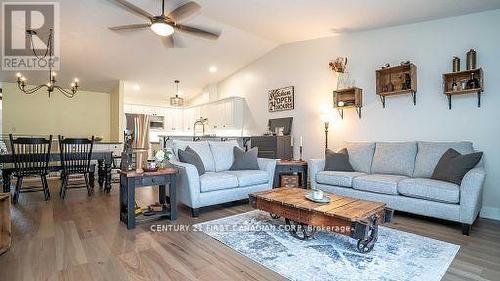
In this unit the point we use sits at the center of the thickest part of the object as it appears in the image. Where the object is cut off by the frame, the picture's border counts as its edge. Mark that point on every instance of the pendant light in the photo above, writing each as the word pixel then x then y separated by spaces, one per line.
pixel 176 101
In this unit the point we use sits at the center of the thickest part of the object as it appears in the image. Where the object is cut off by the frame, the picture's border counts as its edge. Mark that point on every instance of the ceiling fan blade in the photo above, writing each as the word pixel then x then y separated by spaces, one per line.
pixel 197 32
pixel 184 11
pixel 134 9
pixel 168 41
pixel 130 26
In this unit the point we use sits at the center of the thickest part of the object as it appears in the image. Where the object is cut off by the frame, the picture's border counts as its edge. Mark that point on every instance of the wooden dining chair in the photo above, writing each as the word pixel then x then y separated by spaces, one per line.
pixel 75 160
pixel 31 158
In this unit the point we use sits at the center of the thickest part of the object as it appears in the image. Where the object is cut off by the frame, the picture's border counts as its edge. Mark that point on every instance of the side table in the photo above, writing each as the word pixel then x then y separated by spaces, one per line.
pixel 131 180
pixel 289 167
pixel 5 223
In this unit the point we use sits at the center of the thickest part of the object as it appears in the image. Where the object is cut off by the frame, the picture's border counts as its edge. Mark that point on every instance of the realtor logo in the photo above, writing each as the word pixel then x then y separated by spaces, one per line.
pixel 22 50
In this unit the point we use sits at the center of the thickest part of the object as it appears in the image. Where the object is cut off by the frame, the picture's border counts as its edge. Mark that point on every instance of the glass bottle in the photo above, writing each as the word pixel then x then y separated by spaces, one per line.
pixel 454 85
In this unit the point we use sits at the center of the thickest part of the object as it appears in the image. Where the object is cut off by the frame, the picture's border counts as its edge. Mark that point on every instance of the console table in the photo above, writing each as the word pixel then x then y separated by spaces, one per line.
pixel 289 167
pixel 131 180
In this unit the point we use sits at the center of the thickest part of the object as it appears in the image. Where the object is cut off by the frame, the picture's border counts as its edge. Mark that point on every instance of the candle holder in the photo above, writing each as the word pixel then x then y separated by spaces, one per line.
pixel 300 151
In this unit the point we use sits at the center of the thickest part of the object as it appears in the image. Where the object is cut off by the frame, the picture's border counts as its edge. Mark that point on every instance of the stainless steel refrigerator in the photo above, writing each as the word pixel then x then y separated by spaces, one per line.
pixel 138 124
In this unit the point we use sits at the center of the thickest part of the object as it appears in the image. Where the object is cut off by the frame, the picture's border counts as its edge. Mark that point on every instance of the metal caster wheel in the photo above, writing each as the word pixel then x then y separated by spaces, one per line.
pixel 300 231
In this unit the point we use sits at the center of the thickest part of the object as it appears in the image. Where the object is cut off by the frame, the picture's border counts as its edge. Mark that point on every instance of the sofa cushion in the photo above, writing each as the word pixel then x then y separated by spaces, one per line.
pixel 337 178
pixel 430 189
pixel 360 155
pixel 191 157
pixel 337 161
pixel 245 160
pixel 453 166
pixel 223 154
pixel 250 177
pixel 201 147
pixel 429 154
pixel 387 184
pixel 395 158
pixel 212 181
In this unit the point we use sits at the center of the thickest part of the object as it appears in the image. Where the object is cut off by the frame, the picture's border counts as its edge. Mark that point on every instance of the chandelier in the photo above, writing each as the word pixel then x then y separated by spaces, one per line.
pixel 176 101
pixel 51 85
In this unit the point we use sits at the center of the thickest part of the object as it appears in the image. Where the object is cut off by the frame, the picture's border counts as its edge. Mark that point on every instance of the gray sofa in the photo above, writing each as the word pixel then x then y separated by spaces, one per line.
pixel 218 185
pixel 399 175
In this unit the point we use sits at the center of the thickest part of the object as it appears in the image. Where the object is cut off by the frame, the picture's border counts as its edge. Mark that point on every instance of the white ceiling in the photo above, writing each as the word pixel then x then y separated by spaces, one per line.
pixel 250 28
pixel 286 21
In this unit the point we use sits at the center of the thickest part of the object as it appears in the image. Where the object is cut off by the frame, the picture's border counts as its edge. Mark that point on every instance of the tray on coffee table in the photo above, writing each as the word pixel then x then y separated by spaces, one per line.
pixel 356 218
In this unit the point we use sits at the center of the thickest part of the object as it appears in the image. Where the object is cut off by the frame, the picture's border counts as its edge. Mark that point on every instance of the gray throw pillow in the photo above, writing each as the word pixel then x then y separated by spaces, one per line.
pixel 337 161
pixel 245 160
pixel 453 166
pixel 191 157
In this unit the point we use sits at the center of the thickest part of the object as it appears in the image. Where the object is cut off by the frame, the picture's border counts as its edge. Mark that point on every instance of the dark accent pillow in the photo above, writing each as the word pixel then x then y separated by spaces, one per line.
pixel 191 157
pixel 453 166
pixel 245 160
pixel 337 161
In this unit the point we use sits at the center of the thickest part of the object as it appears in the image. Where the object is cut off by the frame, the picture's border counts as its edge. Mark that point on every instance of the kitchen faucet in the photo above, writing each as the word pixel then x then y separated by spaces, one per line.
pixel 202 121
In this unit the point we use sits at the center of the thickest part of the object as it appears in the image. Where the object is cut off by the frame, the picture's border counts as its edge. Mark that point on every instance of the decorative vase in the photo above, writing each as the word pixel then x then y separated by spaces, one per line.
pixel 471 59
pixel 456 64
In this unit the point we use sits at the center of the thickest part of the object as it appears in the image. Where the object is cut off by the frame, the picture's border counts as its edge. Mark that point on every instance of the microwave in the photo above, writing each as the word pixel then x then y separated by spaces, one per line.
pixel 156 122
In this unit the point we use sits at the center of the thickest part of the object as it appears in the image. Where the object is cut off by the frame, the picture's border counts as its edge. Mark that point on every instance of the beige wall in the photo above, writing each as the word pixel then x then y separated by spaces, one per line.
pixel 88 113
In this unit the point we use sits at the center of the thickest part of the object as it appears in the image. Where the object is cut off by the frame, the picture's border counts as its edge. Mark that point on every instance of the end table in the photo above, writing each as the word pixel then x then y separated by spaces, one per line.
pixel 289 167
pixel 130 180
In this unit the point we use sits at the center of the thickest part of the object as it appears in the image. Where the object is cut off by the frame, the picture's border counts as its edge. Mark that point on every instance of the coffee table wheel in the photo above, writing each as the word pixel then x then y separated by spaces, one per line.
pixel 366 245
pixel 300 231
pixel 274 216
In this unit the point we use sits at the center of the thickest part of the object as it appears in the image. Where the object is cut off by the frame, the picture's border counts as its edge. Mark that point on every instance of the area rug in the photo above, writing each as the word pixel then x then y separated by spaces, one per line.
pixel 397 255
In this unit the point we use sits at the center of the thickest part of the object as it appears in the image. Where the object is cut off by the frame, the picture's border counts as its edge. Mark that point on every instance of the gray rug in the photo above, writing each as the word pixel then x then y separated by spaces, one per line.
pixel 397 255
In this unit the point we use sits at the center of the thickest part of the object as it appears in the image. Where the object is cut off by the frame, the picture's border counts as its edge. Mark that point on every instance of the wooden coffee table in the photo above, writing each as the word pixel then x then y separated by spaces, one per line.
pixel 352 217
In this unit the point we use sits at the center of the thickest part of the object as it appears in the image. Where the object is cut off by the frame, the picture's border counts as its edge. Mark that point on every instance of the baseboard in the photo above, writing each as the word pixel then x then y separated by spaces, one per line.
pixel 490 213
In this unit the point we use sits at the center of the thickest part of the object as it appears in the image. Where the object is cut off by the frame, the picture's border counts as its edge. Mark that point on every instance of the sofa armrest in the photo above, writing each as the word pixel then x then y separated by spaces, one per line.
pixel 471 195
pixel 188 183
pixel 268 165
pixel 315 166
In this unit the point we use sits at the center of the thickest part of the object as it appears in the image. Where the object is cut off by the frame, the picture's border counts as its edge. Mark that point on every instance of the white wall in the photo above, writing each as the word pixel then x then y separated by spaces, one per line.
pixel 430 45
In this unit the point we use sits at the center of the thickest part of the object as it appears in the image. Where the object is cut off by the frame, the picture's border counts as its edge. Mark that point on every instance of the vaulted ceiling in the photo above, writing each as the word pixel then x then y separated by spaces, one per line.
pixel 250 29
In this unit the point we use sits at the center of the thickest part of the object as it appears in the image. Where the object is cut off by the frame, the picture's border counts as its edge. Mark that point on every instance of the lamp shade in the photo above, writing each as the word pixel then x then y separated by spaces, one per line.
pixel 326 118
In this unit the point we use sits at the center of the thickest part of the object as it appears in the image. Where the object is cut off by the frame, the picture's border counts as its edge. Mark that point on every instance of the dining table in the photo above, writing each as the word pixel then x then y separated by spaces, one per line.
pixel 104 164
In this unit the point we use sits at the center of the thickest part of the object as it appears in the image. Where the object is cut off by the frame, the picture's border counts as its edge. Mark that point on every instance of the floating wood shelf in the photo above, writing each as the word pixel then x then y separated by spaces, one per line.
pixel 448 79
pixel 348 98
pixel 397 76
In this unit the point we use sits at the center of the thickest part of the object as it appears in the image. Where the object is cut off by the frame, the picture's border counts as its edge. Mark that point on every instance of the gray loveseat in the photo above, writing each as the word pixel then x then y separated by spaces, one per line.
pixel 399 175
pixel 218 185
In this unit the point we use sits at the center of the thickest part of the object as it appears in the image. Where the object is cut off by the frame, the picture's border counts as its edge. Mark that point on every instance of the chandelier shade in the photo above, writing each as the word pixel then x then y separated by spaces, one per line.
pixel 176 101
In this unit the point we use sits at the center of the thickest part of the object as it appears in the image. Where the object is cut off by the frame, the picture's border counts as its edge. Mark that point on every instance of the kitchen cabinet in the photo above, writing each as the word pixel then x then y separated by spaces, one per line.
pixel 225 114
pixel 173 120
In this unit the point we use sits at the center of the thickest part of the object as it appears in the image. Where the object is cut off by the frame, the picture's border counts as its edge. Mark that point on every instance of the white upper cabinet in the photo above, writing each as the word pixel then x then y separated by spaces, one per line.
pixel 223 114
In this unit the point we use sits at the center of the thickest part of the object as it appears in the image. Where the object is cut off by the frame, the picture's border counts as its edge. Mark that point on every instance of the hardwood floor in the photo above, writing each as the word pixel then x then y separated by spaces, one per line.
pixel 81 238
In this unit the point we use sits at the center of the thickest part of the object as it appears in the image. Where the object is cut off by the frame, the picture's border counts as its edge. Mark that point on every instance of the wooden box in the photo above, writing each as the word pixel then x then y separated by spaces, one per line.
pixel 396 75
pixel 448 79
pixel 5 223
pixel 289 181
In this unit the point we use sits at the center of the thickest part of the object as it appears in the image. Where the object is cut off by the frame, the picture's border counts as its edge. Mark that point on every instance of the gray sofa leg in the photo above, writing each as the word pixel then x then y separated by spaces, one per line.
pixel 195 212
pixel 466 229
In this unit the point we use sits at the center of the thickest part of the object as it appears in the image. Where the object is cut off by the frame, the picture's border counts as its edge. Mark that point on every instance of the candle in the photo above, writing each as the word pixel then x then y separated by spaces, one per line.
pixel 301 141
pixel 291 141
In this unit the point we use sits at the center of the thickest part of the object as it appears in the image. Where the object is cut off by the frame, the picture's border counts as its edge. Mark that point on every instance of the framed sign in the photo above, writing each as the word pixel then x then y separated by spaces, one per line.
pixel 281 99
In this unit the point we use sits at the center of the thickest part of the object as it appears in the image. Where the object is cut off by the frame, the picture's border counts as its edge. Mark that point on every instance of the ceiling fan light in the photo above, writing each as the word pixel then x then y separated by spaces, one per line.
pixel 162 29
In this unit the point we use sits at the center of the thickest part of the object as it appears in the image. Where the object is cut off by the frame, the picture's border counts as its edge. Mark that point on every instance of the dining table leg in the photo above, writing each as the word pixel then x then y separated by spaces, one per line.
pixel 100 172
pixel 107 176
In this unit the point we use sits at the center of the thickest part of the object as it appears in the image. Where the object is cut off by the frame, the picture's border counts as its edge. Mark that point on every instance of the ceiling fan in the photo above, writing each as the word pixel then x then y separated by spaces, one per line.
pixel 166 25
